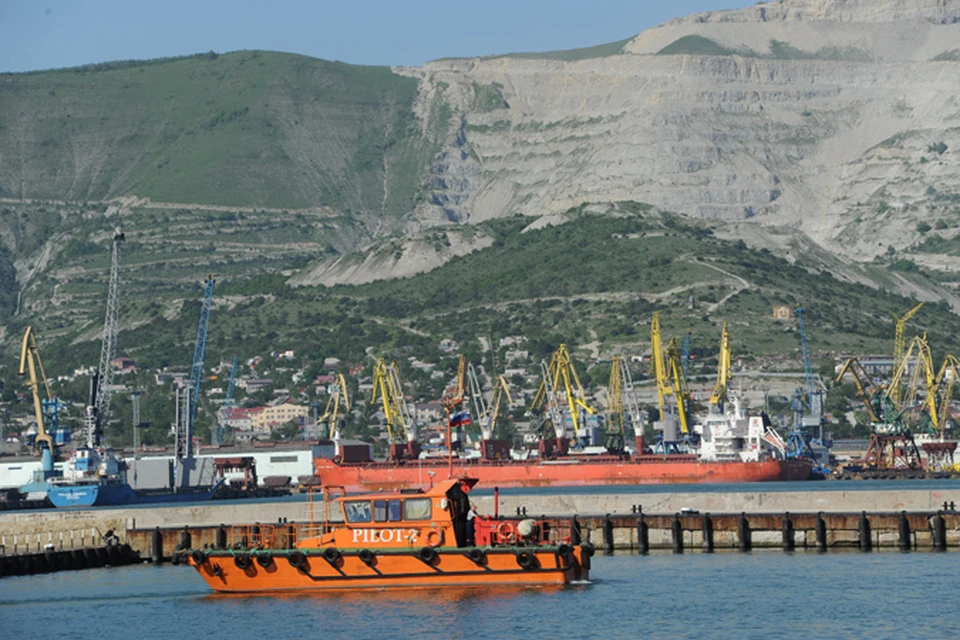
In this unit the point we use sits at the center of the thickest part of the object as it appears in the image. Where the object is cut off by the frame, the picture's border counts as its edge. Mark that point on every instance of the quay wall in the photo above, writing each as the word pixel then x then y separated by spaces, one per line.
pixel 57 524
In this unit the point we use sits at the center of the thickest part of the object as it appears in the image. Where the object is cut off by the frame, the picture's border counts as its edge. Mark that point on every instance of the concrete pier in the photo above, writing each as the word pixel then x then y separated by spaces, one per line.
pixel 81 526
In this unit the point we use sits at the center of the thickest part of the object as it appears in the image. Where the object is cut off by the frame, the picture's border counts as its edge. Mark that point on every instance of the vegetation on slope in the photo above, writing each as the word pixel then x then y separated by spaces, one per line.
pixel 249 128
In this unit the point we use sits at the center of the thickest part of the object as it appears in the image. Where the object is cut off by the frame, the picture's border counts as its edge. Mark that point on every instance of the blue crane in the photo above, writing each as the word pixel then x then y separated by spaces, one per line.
pixel 799 440
pixel 196 371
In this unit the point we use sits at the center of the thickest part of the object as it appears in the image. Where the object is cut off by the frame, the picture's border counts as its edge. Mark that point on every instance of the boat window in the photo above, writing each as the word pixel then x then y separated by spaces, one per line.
pixel 357 511
pixel 379 510
pixel 416 509
pixel 395 512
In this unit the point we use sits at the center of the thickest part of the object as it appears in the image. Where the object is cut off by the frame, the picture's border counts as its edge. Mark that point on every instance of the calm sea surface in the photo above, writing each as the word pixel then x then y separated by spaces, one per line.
pixel 766 594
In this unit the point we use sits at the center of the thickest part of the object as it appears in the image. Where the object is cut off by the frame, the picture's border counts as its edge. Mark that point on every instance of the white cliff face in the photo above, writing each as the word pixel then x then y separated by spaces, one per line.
pixel 937 11
pixel 827 131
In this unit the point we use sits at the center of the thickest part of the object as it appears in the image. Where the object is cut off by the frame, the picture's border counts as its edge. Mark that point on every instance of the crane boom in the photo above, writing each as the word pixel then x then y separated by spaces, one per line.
pixel 862 381
pixel 331 414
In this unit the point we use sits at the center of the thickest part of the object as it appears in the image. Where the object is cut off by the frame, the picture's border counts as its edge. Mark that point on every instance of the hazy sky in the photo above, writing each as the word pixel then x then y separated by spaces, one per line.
pixel 44 34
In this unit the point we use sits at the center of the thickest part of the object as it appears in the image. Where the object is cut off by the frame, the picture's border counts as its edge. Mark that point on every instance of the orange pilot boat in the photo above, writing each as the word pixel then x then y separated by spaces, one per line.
pixel 404 539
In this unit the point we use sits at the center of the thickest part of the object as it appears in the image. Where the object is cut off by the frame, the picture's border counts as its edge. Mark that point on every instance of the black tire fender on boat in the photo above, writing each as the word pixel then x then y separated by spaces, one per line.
pixel 366 556
pixel 242 561
pixel 198 557
pixel 526 560
pixel 477 555
pixel 427 554
pixel 565 553
pixel 331 554
pixel 264 560
pixel 297 559
pixel 586 552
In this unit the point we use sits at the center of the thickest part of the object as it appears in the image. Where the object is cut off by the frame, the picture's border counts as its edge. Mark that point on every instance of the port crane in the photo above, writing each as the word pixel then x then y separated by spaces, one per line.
pixel 667 367
pixel 806 399
pixel 724 371
pixel 45 409
pixel 561 384
pixel 622 409
pixel 899 343
pixel 400 422
pixel 891 444
pixel 337 404
pixel 220 434
pixel 189 397
pixel 488 414
pixel 455 401
pixel 98 410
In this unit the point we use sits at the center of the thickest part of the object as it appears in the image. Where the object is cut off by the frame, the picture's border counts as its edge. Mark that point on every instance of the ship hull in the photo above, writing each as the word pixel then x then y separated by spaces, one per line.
pixel 574 472
pixel 226 573
pixel 117 494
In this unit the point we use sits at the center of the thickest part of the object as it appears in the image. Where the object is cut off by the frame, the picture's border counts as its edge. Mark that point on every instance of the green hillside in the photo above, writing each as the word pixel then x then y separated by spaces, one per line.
pixel 247 129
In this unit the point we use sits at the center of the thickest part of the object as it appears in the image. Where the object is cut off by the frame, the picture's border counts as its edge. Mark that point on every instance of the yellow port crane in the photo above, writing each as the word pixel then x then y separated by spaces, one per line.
pixel 925 368
pixel 386 387
pixel 339 399
pixel 945 385
pixel 487 415
pixel 899 343
pixel 560 382
pixel 724 371
pixel 29 364
pixel 667 367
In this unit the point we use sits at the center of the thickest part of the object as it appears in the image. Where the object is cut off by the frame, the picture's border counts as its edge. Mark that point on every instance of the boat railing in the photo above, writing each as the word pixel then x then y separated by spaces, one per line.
pixel 275 536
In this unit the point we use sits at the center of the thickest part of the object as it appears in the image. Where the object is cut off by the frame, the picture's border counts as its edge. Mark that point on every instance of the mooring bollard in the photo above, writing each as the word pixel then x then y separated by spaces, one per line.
pixel 643 536
pixel 707 527
pixel 743 533
pixel 866 543
pixel 821 531
pixel 676 530
pixel 939 526
pixel 786 528
pixel 607 536
pixel 156 547
pixel 905 543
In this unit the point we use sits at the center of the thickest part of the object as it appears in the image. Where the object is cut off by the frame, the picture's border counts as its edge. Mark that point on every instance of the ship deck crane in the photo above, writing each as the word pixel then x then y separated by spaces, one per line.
pixel 30 364
pixel 400 423
pixel 338 401
pixel 561 383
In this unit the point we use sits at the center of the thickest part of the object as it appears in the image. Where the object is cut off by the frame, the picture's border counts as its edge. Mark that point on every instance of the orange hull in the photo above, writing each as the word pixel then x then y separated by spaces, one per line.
pixel 386 569
pixel 572 472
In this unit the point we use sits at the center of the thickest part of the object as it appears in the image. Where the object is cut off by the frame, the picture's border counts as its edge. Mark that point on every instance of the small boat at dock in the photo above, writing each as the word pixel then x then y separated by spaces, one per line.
pixel 407 539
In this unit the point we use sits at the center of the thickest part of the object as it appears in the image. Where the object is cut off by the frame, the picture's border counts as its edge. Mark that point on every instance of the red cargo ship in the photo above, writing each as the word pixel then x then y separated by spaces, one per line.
pixel 573 471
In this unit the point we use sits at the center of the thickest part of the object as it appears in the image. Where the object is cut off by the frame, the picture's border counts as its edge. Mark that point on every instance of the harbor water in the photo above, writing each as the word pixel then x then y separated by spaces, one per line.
pixel 725 595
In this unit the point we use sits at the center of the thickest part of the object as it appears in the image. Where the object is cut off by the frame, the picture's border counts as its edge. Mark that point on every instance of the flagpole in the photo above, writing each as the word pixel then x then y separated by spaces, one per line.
pixel 449 446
